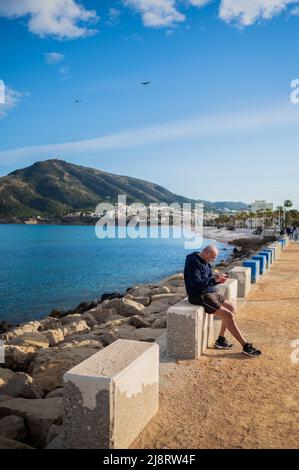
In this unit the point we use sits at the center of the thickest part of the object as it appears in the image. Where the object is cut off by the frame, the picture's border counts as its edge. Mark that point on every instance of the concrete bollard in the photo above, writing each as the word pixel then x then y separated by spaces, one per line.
pixel 268 256
pixel 187 330
pixel 275 251
pixel 211 329
pixel 271 252
pixel 229 290
pixel 243 277
pixel 111 396
pixel 262 260
pixel 254 265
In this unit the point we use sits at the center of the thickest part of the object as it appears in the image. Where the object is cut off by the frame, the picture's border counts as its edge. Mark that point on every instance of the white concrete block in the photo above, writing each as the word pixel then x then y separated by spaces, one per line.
pixel 229 290
pixel 186 330
pixel 243 277
pixel 110 397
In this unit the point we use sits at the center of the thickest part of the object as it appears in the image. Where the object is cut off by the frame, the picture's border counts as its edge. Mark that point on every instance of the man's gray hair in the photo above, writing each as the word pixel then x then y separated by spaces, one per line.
pixel 210 248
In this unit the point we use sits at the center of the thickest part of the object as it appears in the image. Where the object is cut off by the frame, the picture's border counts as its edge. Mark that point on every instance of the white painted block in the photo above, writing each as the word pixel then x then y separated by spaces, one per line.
pixel 111 396
pixel 243 276
pixel 229 290
pixel 186 330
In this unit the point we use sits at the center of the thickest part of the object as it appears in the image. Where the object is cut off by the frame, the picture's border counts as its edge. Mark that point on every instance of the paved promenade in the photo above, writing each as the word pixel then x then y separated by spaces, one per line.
pixel 227 400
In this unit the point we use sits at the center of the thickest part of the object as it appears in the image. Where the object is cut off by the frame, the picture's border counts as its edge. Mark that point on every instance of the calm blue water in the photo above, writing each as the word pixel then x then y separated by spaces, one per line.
pixel 47 267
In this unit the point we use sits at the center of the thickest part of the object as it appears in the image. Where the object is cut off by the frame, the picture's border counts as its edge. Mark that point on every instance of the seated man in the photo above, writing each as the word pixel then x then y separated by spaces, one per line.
pixel 201 290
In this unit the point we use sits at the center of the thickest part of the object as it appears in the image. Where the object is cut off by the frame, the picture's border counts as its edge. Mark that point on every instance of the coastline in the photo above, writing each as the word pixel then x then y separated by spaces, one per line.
pixel 212 233
pixel 38 353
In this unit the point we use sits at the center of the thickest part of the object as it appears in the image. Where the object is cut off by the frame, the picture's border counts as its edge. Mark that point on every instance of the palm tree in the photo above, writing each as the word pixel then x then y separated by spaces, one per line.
pixel 279 210
pixel 287 205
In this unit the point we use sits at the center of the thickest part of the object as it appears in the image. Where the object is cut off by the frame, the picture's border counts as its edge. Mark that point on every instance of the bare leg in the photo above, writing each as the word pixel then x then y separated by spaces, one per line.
pixel 223 328
pixel 228 317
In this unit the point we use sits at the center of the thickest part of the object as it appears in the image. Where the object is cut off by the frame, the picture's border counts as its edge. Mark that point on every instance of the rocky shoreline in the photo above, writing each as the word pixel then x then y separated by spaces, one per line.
pixel 38 353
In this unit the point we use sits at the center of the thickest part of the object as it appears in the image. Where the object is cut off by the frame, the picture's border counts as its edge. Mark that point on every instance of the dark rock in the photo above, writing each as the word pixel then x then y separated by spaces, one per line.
pixel 39 415
pixel 11 444
pixel 56 314
pixel 13 427
pixel 113 295
pixel 108 338
pixel 5 326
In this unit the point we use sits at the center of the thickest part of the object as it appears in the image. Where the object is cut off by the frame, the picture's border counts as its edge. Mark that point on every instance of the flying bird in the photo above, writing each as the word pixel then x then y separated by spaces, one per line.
pixel 145 83
pixel 78 101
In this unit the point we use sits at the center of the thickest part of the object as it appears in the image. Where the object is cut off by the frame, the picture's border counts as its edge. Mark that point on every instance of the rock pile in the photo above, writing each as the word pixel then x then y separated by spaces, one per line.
pixel 38 353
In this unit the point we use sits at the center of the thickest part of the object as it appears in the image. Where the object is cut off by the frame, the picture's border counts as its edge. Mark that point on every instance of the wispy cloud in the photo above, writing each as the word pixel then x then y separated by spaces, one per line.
pixel 248 12
pixel 114 15
pixel 12 100
pixel 64 71
pixel 62 19
pixel 53 58
pixel 156 13
pixel 226 124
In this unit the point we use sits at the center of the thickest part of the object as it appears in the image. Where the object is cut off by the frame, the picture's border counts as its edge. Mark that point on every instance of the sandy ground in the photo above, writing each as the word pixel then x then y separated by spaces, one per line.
pixel 226 400
pixel 223 235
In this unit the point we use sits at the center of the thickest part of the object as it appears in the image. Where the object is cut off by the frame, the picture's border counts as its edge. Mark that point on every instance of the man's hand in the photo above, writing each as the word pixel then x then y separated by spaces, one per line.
pixel 221 278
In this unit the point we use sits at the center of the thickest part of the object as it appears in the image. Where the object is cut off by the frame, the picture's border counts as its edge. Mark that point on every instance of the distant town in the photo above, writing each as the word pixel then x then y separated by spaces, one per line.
pixel 261 215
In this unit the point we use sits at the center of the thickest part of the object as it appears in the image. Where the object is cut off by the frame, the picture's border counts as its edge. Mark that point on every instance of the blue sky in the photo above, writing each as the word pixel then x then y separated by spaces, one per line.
pixel 216 121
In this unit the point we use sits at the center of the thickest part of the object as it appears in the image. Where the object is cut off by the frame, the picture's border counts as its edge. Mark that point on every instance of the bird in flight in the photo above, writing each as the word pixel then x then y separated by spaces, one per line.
pixel 78 101
pixel 145 83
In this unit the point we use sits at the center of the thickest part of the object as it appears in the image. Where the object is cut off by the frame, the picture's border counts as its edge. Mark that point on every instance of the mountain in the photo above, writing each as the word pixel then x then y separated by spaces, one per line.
pixel 56 187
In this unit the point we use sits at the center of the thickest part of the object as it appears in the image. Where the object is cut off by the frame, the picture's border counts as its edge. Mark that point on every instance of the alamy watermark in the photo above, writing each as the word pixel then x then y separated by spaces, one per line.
pixel 2 355
pixel 2 92
pixel 295 93
pixel 158 220
pixel 295 353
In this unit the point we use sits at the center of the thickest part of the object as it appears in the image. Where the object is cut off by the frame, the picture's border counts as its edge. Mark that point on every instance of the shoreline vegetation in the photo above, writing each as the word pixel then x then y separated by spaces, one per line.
pixel 38 353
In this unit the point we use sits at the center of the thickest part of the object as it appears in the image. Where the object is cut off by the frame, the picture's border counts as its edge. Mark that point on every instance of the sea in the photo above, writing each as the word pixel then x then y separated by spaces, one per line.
pixel 46 267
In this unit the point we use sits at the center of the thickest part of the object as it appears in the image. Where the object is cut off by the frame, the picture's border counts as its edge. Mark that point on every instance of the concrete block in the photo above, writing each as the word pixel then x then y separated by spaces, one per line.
pixel 110 397
pixel 211 330
pixel 270 251
pixel 229 290
pixel 186 324
pixel 243 277
pixel 254 265
pixel 275 251
pixel 268 256
pixel 262 260
pixel 217 326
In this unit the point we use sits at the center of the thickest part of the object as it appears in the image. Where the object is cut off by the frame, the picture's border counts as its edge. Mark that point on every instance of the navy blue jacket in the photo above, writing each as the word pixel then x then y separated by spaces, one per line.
pixel 198 276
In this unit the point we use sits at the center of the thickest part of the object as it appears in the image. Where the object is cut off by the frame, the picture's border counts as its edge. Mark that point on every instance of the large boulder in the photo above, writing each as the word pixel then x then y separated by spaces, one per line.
pixel 149 334
pixel 73 317
pixel 74 328
pixel 169 299
pixel 11 444
pixel 141 300
pixel 126 307
pixel 39 415
pixel 35 339
pixel 54 336
pixel 22 385
pixel 90 319
pixel 139 322
pixel 101 314
pixel 18 357
pixel 5 397
pixel 13 427
pixel 148 290
pixel 20 330
pixel 58 392
pixel 50 324
pixel 49 365
pixel 5 376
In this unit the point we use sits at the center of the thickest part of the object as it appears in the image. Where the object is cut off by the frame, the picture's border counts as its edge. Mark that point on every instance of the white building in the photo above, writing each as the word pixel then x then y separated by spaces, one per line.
pixel 261 206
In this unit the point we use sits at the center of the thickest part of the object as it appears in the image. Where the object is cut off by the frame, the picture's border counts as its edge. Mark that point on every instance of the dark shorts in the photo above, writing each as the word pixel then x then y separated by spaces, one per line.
pixel 211 302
